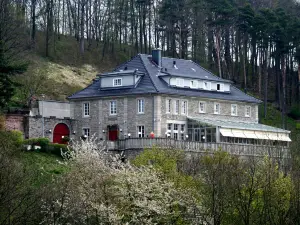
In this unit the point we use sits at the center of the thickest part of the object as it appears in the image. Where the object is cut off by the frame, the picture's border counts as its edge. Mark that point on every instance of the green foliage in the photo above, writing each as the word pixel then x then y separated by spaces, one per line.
pixel 295 112
pixel 43 142
pixel 56 149
pixel 166 161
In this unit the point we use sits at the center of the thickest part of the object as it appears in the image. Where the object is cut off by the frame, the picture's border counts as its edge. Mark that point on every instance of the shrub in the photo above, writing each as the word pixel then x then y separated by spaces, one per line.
pixel 56 149
pixel 295 112
pixel 43 142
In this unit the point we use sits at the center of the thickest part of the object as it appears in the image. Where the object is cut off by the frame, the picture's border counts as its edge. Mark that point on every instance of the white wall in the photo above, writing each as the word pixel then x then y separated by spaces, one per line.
pixel 53 108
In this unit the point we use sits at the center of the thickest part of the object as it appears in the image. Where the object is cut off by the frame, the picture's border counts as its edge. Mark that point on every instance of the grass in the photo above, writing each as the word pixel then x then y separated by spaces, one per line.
pixel 44 166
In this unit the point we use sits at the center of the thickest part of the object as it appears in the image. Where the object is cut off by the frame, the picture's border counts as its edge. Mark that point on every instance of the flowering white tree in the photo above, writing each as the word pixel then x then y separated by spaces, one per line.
pixel 100 189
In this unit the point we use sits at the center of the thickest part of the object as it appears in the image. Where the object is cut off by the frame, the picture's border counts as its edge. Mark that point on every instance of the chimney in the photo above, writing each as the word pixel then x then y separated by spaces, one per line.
pixel 156 56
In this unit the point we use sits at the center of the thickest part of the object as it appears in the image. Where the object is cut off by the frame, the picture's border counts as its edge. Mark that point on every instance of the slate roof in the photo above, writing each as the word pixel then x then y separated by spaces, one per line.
pixel 151 83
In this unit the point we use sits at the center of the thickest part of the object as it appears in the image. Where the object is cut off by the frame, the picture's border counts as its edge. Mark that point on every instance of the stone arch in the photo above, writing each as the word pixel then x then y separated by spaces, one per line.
pixel 60 130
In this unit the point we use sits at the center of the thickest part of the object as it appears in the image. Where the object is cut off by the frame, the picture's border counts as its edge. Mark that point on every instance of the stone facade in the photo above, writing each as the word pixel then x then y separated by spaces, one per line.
pixel 35 126
pixel 155 117
pixel 127 118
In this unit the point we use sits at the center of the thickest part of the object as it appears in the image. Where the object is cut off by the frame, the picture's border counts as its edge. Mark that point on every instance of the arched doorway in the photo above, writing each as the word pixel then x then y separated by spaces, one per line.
pixel 61 130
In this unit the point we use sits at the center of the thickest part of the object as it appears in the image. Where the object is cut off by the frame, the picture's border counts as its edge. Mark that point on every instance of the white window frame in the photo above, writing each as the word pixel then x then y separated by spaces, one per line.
pixel 179 82
pixel 141 132
pixel 86 129
pixel 217 112
pixel 110 107
pixel 208 85
pixel 86 113
pixel 176 107
pixel 247 106
pixel 168 105
pixel 184 107
pixel 236 110
pixel 140 106
pixel 221 87
pixel 204 107
pixel 116 79
pixel 193 84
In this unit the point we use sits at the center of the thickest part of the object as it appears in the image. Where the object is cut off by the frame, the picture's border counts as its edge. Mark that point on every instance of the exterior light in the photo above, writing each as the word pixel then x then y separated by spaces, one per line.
pixel 187 136
pixel 85 136
pixel 121 130
pixel 168 135
pixel 103 131
pixel 62 136
pixel 129 134
pixel 50 131
pixel 74 132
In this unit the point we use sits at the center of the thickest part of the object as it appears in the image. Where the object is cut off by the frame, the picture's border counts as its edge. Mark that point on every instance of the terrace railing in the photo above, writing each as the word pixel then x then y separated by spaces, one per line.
pixel 193 146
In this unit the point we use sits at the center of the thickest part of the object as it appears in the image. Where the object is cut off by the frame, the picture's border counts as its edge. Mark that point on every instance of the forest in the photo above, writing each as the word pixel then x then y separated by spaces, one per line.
pixel 254 43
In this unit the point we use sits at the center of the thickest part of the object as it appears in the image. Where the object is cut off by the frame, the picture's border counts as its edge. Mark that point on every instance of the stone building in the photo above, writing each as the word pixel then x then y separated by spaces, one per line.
pixel 172 98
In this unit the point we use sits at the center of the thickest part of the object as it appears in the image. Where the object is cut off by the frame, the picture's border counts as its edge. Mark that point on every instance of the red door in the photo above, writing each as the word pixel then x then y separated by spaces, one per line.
pixel 61 130
pixel 113 133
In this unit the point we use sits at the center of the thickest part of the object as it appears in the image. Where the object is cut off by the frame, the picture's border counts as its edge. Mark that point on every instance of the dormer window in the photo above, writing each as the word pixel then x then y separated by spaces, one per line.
pixel 220 87
pixel 117 82
pixel 194 84
pixel 179 82
pixel 207 85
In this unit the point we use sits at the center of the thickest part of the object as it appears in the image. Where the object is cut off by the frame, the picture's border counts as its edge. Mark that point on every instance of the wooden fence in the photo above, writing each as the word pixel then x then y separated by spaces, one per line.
pixel 193 146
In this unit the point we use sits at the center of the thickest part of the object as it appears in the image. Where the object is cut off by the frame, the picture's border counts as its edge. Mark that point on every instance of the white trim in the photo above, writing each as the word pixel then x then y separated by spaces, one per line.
pixel 182 107
pixel 110 104
pixel 168 106
pixel 143 105
pixel 208 86
pixel 193 84
pixel 83 109
pixel 117 85
pixel 179 82
pixel 221 87
pixel 236 109
pixel 137 131
pixel 175 101
pixel 248 106
pixel 204 107
pixel 84 128
pixel 215 112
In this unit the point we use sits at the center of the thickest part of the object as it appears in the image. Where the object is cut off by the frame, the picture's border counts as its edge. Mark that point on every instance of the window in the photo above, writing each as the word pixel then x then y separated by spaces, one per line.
pixel 175 131
pixel 141 105
pixel 248 111
pixel 220 87
pixel 176 107
pixel 234 110
pixel 207 85
pixel 141 131
pixel 179 82
pixel 113 108
pixel 194 84
pixel 169 127
pixel 184 107
pixel 86 132
pixel 202 107
pixel 168 105
pixel 217 108
pixel 117 82
pixel 182 131
pixel 86 109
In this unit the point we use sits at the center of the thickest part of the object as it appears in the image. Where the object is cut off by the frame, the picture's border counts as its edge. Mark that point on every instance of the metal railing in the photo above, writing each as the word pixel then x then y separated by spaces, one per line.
pixel 193 146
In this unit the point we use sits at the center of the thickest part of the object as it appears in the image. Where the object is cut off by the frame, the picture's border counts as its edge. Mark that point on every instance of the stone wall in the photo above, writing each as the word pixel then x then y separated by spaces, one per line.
pixel 35 125
pixel 154 118
pixel 127 117
pixel 15 122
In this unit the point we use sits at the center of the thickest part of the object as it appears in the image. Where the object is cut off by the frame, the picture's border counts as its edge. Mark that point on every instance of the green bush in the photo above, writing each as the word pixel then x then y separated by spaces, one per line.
pixel 56 149
pixel 43 142
pixel 295 112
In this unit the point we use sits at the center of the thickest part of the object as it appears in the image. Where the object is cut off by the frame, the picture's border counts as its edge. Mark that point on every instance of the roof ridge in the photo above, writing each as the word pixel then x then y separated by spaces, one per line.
pixel 148 72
